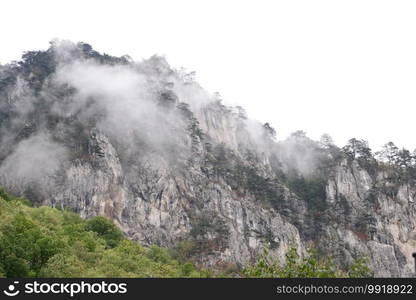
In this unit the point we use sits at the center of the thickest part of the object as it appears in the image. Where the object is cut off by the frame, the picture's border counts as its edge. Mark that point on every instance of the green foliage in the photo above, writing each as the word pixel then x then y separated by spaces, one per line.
pixel 209 223
pixel 184 250
pixel 106 230
pixel 360 151
pixel 262 188
pixel 8 197
pixel 158 254
pixel 360 269
pixel 4 194
pixel 221 160
pixel 246 178
pixel 88 52
pixel 312 190
pixel 307 267
pixel 389 153
pixel 184 110
pixel 37 65
pixel 357 149
pixel 46 242
pixel 24 248
pixel 209 234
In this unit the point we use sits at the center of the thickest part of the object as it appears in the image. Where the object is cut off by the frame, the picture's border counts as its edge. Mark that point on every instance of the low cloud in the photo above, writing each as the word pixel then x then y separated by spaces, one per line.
pixel 33 160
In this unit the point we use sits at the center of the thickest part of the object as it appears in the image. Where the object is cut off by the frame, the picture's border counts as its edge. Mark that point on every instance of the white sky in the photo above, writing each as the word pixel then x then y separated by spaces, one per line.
pixel 347 68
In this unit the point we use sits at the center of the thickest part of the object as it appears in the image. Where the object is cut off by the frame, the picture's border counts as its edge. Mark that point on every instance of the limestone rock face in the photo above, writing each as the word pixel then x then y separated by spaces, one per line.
pixel 387 223
pixel 161 204
pixel 147 147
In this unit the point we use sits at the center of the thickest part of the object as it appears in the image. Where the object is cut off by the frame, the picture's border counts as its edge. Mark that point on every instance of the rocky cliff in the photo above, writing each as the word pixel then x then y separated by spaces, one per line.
pixel 146 146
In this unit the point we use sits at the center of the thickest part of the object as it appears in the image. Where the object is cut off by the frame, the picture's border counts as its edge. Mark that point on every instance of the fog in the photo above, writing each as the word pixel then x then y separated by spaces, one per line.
pixel 32 161
pixel 136 105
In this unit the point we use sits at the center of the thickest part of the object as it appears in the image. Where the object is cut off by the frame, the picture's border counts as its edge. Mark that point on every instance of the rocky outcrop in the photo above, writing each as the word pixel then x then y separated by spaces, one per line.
pixel 377 225
pixel 163 205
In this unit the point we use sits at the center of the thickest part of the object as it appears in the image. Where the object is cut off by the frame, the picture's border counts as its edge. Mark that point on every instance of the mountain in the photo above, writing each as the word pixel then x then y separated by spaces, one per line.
pixel 147 147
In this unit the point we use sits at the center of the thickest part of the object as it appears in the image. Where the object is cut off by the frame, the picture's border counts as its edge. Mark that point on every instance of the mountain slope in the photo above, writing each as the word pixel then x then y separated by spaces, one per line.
pixel 147 147
pixel 46 242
